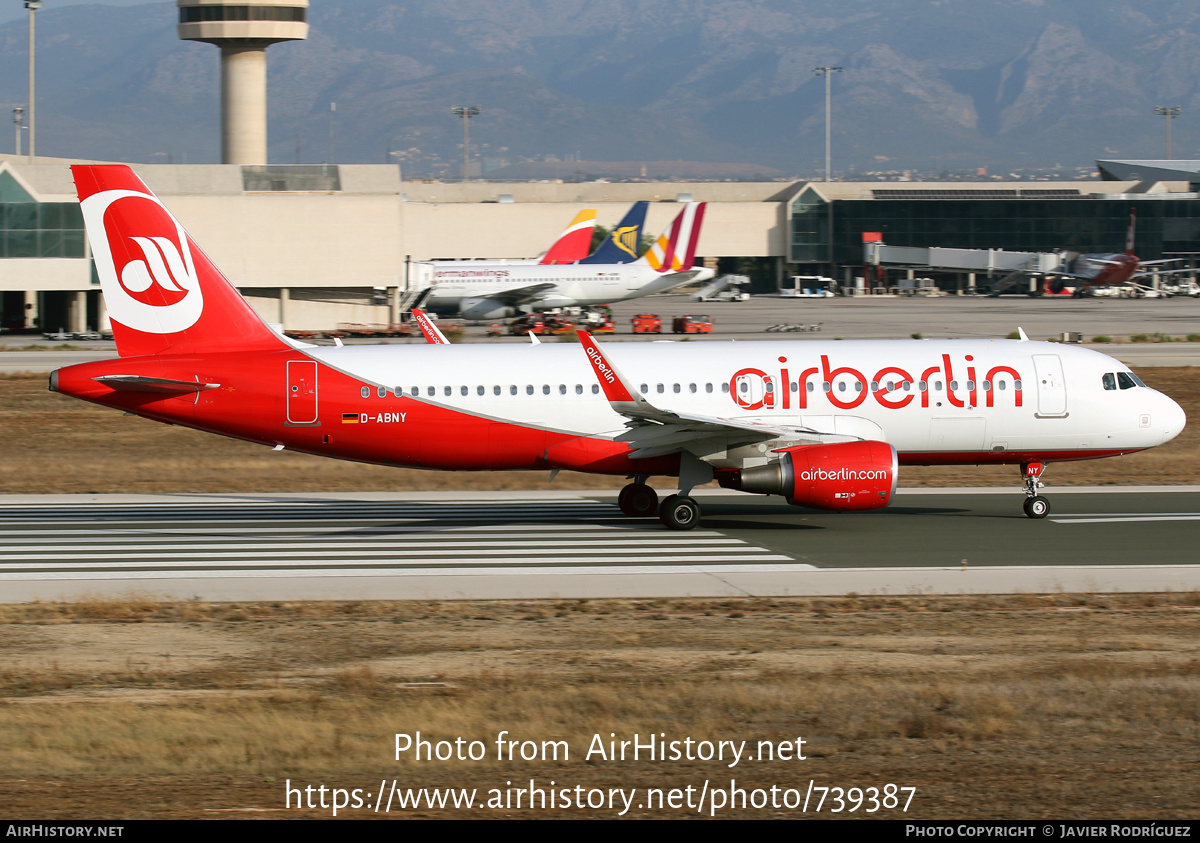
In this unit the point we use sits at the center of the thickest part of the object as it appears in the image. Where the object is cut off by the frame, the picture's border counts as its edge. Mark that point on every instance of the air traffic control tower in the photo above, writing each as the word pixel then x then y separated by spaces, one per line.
pixel 243 32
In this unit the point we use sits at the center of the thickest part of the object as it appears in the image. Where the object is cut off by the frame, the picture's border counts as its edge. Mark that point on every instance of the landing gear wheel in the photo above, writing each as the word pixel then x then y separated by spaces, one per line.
pixel 679 513
pixel 638 500
pixel 1037 507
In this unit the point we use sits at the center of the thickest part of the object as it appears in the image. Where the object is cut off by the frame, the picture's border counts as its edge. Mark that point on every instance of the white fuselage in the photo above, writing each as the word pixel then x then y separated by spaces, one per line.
pixel 934 401
pixel 572 284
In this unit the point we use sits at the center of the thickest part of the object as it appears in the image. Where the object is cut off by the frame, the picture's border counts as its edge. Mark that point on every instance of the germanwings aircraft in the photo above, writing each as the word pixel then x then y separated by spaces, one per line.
pixel 499 289
pixel 826 425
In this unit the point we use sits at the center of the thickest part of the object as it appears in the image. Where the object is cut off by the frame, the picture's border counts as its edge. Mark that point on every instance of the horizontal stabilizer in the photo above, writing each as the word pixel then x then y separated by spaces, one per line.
pixel 141 383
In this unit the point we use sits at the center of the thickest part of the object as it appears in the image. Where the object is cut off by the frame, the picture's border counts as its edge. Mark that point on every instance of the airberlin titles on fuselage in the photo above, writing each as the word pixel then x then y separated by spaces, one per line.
pixel 887 380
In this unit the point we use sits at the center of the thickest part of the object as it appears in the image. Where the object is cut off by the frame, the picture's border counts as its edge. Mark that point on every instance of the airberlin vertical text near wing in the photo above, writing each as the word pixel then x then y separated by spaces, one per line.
pixel 655 432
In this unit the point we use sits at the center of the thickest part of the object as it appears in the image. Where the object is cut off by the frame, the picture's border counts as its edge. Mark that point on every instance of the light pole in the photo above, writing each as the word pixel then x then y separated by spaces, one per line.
pixel 32 6
pixel 1169 113
pixel 18 115
pixel 827 72
pixel 466 112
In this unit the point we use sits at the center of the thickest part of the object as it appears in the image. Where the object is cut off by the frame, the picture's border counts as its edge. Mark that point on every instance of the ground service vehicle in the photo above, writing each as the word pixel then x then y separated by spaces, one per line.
pixel 692 324
pixel 647 323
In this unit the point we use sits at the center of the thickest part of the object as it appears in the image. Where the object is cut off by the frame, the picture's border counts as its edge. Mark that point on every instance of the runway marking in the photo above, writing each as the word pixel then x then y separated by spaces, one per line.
pixel 1119 518
pixel 173 540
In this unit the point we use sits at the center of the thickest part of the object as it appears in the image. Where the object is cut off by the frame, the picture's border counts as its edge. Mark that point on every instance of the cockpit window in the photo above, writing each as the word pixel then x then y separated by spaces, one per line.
pixel 1110 380
pixel 1126 380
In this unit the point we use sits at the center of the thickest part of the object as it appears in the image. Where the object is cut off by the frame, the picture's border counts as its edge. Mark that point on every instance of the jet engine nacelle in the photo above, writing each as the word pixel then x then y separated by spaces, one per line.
pixel 481 309
pixel 841 476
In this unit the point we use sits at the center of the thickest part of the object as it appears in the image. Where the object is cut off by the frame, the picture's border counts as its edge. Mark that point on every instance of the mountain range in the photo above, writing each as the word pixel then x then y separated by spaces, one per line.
pixel 925 85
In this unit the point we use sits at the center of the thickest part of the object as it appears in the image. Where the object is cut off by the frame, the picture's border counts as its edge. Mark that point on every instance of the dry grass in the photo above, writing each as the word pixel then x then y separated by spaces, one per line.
pixel 1071 706
pixel 58 445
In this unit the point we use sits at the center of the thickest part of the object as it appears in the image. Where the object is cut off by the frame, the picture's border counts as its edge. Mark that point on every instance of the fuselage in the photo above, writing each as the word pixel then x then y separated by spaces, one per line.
pixel 565 285
pixel 478 407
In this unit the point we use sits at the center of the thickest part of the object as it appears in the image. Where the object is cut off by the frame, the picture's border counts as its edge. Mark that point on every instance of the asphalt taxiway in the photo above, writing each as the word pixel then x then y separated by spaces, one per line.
pixel 579 545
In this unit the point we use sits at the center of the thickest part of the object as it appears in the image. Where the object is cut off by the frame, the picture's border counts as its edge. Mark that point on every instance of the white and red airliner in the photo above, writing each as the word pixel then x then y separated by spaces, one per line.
pixel 824 424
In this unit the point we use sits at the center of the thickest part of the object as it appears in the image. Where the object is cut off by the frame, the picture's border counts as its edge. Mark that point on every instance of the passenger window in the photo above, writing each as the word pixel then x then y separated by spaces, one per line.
pixel 562 389
pixel 462 390
pixel 529 389
pixel 660 389
pixel 479 390
pixel 676 388
pixel 692 388
pixel 512 390
pixel 447 391
pixel 595 389
pixel 1110 380
pixel 987 386
pixel 365 392
pixel 923 386
pixel 1017 386
pixel 874 386
pixel 645 389
pixel 579 389
pixel 545 389
pixel 708 387
pixel 432 391
pixel 416 390
pixel 495 390
pixel 724 387
pixel 381 391
pixel 825 385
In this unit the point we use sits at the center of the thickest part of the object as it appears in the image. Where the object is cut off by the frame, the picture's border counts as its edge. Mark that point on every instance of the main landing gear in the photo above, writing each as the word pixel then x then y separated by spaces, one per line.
pixel 638 500
pixel 677 512
pixel 1036 506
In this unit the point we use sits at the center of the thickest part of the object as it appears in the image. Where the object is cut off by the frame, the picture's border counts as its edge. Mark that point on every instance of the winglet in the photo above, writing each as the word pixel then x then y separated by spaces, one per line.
pixel 432 335
pixel 1021 334
pixel 616 388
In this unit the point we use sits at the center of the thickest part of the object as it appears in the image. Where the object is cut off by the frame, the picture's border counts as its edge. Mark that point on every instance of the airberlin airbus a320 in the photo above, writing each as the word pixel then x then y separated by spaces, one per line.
pixel 824 424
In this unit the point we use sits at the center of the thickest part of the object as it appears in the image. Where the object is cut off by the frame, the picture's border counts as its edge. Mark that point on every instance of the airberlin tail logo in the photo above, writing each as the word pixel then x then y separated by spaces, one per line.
pixel 144 262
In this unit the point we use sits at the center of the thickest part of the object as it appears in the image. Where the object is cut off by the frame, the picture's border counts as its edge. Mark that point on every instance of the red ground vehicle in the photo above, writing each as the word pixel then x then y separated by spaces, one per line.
pixel 692 324
pixel 647 323
pixel 541 323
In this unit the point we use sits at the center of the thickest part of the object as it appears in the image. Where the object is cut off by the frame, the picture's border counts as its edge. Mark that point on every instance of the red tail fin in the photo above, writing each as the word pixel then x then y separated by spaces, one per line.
pixel 164 296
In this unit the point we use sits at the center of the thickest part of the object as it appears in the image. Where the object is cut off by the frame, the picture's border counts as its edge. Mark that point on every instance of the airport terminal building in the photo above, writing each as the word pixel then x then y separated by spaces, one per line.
pixel 316 245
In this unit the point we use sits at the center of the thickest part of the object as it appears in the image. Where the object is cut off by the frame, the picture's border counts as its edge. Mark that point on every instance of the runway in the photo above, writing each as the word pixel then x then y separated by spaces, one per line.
pixel 579 545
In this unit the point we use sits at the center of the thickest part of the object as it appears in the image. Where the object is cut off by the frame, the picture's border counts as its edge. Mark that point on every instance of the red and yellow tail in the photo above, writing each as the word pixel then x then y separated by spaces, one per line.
pixel 164 296
pixel 575 242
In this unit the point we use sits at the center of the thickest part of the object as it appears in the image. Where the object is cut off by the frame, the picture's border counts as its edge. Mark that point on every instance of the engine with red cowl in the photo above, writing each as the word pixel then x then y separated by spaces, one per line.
pixel 848 476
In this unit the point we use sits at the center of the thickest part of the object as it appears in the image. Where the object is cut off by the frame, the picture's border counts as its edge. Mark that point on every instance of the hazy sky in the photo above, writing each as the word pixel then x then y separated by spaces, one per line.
pixel 13 9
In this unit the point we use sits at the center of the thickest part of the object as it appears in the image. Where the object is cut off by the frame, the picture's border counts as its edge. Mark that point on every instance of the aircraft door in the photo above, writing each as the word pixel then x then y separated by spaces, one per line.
pixel 302 391
pixel 1051 386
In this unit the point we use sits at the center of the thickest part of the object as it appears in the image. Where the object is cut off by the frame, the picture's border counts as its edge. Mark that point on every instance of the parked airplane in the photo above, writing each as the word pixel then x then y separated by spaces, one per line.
pixel 1087 272
pixel 497 290
pixel 824 424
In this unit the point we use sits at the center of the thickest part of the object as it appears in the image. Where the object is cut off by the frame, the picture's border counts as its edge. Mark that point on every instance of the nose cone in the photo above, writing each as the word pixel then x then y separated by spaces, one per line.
pixel 1171 419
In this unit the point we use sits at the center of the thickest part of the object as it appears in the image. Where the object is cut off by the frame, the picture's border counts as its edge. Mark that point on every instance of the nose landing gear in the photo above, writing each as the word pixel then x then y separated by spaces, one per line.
pixel 1035 506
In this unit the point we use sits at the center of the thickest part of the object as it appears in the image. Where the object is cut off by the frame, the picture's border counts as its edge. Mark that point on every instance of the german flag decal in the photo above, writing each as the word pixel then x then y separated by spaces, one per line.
pixel 349 418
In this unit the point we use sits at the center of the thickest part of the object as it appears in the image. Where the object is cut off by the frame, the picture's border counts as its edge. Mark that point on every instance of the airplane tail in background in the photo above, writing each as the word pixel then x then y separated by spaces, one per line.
pixel 623 243
pixel 164 296
pixel 675 249
pixel 1129 234
pixel 575 241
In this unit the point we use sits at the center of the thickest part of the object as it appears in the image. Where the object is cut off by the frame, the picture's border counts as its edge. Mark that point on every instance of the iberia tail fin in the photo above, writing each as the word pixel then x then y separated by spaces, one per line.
pixel 574 242
pixel 164 296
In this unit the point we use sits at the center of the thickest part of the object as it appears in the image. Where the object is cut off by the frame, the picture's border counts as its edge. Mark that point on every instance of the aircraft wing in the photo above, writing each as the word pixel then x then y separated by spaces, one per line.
pixel 520 295
pixel 655 432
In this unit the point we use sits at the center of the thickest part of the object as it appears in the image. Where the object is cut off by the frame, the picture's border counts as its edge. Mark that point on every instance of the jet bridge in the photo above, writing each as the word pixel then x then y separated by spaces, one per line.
pixel 1015 265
